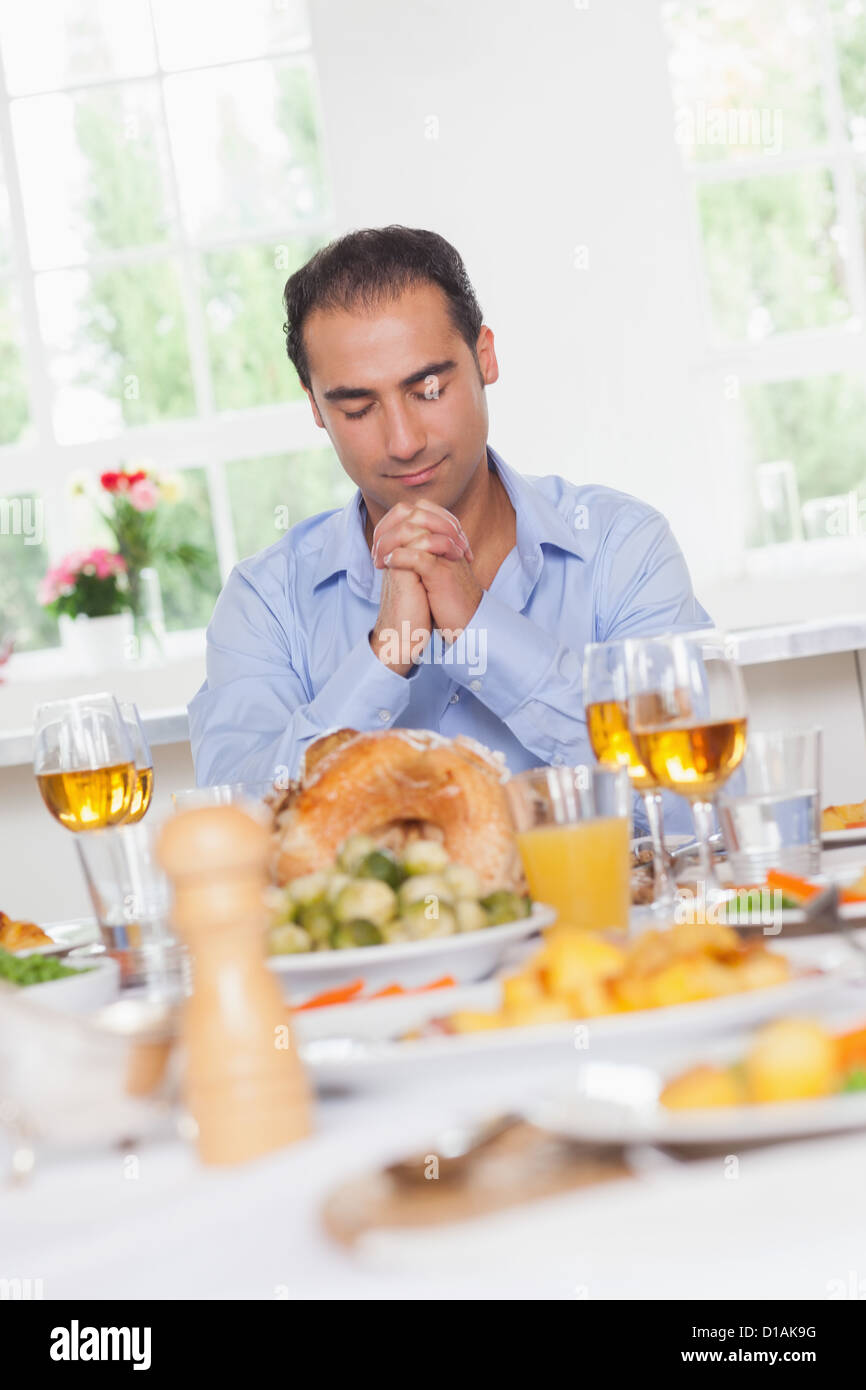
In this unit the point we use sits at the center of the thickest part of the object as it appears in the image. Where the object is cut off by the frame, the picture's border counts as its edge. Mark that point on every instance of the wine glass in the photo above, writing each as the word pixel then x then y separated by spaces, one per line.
pixel 84 761
pixel 605 693
pixel 687 715
pixel 143 791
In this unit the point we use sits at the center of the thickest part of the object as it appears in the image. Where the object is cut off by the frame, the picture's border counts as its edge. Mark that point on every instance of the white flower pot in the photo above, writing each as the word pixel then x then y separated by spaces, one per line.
pixel 98 644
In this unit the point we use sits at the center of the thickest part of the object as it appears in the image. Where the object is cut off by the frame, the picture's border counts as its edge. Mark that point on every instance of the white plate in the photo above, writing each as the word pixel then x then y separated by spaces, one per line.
pixel 615 1102
pixel 831 838
pixel 357 1044
pixel 467 956
pixel 844 875
pixel 96 982
pixel 83 931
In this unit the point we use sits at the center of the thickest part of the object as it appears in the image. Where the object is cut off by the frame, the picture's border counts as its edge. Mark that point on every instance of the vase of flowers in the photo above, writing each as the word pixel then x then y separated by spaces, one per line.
pixel 88 592
pixel 133 505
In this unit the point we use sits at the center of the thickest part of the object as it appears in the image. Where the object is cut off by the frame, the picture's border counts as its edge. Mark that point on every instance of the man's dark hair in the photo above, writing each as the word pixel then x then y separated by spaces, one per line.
pixel 363 268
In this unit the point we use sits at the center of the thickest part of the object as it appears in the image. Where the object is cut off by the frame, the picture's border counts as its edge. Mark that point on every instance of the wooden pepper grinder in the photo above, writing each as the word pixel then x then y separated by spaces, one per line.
pixel 245 1084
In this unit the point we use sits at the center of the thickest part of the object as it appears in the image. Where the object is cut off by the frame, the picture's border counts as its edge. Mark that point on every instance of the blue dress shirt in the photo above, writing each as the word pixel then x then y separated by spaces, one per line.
pixel 288 655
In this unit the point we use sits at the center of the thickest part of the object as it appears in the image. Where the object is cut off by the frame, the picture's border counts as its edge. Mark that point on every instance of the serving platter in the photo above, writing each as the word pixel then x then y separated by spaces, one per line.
pixel 613 1102
pixel 832 839
pixel 364 1043
pixel 467 956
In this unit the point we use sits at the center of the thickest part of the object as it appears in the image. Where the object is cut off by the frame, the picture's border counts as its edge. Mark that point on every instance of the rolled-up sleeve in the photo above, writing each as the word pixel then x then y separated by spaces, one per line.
pixel 253 716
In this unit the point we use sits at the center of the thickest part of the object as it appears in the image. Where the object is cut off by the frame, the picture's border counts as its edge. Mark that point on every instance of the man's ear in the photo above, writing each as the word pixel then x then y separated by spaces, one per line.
pixel 315 409
pixel 486 355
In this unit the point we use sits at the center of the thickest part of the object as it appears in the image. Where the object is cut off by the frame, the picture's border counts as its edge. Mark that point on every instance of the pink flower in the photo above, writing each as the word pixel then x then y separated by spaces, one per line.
pixel 143 495
pixel 62 578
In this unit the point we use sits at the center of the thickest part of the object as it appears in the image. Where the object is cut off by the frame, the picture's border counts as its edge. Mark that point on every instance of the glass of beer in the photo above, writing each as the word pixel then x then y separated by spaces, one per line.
pixel 573 830
pixel 687 715
pixel 84 761
pixel 143 793
pixel 605 693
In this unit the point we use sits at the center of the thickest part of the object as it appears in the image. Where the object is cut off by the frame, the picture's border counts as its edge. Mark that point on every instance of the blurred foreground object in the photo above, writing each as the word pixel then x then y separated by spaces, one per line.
pixel 245 1084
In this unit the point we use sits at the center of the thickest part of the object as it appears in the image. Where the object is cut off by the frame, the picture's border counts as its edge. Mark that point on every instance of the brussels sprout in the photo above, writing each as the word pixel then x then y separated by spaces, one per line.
pixel 367 898
pixel 378 864
pixel 470 914
pixel 420 926
pixel 353 851
pixel 395 931
pixel 504 906
pixel 425 857
pixel 463 881
pixel 308 888
pixel 287 940
pixel 358 932
pixel 317 921
pixel 422 886
pixel 282 906
pixel 336 883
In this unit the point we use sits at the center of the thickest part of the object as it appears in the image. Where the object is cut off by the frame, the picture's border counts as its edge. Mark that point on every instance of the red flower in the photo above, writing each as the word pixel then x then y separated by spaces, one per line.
pixel 133 478
pixel 109 481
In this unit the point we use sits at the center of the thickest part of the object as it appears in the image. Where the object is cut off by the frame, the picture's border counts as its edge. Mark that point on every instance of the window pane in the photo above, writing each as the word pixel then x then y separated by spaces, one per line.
pixel 50 43
pixel 193 33
pixel 773 254
pixel 242 296
pixel 246 147
pixel 23 562
pixel 93 171
pixel 746 77
pixel 119 349
pixel 189 601
pixel 14 402
pixel 5 228
pixel 268 495
pixel 819 424
pixel 849 24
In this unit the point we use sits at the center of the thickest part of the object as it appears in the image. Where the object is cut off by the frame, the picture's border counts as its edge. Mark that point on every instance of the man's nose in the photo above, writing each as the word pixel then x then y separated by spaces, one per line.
pixel 404 436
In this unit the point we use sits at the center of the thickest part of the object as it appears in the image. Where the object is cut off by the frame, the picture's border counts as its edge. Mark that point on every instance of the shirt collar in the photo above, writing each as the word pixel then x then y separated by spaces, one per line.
pixel 539 522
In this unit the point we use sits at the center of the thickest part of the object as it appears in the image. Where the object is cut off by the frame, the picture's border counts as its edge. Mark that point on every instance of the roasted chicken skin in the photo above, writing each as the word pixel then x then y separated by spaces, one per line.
pixel 386 782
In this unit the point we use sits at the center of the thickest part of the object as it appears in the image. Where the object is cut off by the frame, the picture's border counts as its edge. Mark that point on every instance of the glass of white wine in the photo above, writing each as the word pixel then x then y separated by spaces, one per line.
pixel 143 792
pixel 605 693
pixel 687 716
pixel 84 761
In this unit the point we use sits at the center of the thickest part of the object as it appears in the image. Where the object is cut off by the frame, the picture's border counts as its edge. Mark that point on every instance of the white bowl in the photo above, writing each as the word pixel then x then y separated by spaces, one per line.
pixel 467 956
pixel 96 982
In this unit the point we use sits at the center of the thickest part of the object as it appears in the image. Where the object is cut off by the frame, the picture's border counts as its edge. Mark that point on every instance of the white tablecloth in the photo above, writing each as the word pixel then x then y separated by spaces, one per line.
pixel 792 1223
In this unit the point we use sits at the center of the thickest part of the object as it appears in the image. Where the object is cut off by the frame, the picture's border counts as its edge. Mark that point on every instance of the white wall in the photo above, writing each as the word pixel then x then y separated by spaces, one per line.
pixel 554 132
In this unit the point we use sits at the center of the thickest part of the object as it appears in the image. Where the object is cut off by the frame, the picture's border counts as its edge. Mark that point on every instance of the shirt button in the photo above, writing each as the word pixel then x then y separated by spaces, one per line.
pixel 558 760
pixel 475 685
pixel 384 715
pixel 454 698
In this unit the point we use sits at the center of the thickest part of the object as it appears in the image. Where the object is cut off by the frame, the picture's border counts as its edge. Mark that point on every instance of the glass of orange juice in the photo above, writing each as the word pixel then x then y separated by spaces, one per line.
pixel 573 830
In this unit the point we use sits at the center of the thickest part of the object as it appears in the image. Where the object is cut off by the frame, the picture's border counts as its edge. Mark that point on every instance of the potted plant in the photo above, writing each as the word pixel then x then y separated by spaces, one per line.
pixel 88 592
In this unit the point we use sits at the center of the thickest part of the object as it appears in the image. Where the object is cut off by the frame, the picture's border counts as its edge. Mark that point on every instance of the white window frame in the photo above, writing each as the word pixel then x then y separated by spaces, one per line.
pixel 803 353
pixel 209 440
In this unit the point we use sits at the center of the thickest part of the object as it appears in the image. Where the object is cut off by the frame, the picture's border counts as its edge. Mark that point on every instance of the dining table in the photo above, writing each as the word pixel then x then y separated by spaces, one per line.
pixel 779 1221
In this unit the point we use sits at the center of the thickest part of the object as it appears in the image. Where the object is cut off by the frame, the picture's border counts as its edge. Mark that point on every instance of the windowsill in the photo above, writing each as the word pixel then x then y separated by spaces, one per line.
pixel 55 663
pixel 161 691
pixel 837 555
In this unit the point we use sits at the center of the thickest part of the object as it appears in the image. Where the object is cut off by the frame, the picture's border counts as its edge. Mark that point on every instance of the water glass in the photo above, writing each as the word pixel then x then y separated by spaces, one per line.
pixel 131 898
pixel 770 810
pixel 250 794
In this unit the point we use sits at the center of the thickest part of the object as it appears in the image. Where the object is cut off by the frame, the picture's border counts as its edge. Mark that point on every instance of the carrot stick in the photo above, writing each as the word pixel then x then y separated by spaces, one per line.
pixel 332 996
pixel 789 883
pixel 851 1048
